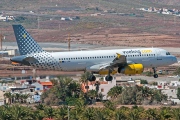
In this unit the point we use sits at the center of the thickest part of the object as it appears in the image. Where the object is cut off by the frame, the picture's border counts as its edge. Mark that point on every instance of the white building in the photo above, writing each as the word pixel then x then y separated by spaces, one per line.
pixel 104 87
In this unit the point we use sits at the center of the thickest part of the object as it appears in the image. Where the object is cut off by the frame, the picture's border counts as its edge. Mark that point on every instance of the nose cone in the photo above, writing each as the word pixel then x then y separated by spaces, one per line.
pixel 174 59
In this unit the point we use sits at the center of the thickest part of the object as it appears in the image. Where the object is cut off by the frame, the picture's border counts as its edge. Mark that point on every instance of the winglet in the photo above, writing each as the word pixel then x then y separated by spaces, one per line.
pixel 118 55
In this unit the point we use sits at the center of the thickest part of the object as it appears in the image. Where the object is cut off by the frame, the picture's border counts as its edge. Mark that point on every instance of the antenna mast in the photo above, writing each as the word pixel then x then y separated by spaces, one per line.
pixel 1 39
pixel 69 41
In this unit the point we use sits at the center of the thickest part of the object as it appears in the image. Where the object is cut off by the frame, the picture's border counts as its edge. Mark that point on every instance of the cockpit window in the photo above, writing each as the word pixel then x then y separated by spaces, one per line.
pixel 167 53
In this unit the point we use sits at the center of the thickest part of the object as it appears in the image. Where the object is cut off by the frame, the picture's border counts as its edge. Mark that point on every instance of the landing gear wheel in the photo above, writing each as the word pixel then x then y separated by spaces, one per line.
pixel 154 70
pixel 155 75
pixel 92 78
pixel 109 78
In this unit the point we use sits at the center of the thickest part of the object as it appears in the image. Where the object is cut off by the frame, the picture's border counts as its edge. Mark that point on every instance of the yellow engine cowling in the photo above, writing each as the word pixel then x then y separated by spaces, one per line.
pixel 105 72
pixel 132 69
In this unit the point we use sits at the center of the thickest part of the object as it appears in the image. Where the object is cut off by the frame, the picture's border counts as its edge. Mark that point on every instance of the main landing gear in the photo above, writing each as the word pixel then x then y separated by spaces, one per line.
pixel 155 74
pixel 92 78
pixel 107 78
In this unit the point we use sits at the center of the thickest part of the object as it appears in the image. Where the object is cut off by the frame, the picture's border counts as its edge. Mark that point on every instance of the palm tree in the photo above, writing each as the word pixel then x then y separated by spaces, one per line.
pixel 62 113
pixel 92 94
pixel 108 113
pixel 40 107
pixel 121 113
pixel 134 114
pixel 49 112
pixel 166 113
pixel 21 113
pixel 9 96
pixel 4 113
pixel 99 114
pixel 84 80
pixel 74 89
pixel 115 91
pixel 152 114
pixel 17 97
pixel 54 82
pixel 24 97
pixel 110 105
pixel 39 115
pixel 100 96
pixel 176 113
pixel 89 113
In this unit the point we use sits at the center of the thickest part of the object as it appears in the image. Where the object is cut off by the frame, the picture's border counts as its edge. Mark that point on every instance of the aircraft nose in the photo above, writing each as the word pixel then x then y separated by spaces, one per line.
pixel 174 59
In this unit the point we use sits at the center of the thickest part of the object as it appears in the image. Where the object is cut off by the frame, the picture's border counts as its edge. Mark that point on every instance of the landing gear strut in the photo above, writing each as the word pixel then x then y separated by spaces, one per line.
pixel 109 77
pixel 154 70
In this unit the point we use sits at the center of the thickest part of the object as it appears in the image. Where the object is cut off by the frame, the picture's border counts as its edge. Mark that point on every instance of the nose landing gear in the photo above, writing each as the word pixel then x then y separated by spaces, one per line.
pixel 155 74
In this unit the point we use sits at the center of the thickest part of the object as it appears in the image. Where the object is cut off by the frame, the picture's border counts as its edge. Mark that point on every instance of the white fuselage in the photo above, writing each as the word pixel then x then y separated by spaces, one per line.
pixel 80 60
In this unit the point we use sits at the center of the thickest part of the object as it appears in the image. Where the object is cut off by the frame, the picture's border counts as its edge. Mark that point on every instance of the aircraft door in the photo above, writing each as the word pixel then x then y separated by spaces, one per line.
pixel 159 57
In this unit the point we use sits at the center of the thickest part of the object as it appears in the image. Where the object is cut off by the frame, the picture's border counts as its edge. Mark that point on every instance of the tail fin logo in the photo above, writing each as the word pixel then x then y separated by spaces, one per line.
pixel 24 36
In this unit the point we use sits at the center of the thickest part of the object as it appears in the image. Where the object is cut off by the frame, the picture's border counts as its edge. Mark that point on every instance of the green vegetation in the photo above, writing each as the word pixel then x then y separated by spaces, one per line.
pixel 144 81
pixel 148 73
pixel 177 72
pixel 68 92
pixel 178 93
pixel 69 100
pixel 16 98
pixel 81 112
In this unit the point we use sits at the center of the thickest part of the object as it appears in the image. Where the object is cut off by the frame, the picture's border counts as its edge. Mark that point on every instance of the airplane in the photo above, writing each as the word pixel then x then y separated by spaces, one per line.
pixel 103 62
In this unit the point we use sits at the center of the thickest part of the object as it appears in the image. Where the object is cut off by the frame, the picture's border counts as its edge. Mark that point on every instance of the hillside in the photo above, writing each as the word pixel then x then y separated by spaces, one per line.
pixel 118 22
pixel 108 4
pixel 166 2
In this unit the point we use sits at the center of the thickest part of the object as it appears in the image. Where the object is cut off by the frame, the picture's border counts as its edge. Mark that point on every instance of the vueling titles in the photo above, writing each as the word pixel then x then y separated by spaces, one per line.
pixel 137 51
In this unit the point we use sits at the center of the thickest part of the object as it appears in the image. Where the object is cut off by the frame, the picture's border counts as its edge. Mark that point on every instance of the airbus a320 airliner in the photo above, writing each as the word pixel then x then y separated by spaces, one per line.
pixel 104 62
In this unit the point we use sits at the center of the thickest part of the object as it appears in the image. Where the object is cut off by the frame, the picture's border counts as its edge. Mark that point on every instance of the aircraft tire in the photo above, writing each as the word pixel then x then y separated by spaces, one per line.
pixel 155 75
pixel 92 78
pixel 109 78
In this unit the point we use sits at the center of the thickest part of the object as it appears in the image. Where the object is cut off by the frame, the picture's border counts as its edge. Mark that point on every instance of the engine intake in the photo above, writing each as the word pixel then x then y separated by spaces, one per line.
pixel 131 69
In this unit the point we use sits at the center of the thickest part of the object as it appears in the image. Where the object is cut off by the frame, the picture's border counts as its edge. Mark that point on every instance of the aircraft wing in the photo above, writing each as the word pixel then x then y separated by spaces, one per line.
pixel 118 61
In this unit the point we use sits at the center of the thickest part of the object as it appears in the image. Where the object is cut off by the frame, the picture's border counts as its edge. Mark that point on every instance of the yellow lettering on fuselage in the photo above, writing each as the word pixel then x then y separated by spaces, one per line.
pixel 146 51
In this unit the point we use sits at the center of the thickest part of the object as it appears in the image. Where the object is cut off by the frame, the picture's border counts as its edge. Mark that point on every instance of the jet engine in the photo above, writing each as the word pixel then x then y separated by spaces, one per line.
pixel 131 69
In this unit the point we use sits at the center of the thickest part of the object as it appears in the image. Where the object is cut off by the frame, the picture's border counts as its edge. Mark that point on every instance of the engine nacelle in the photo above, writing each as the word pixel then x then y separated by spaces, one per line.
pixel 131 69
